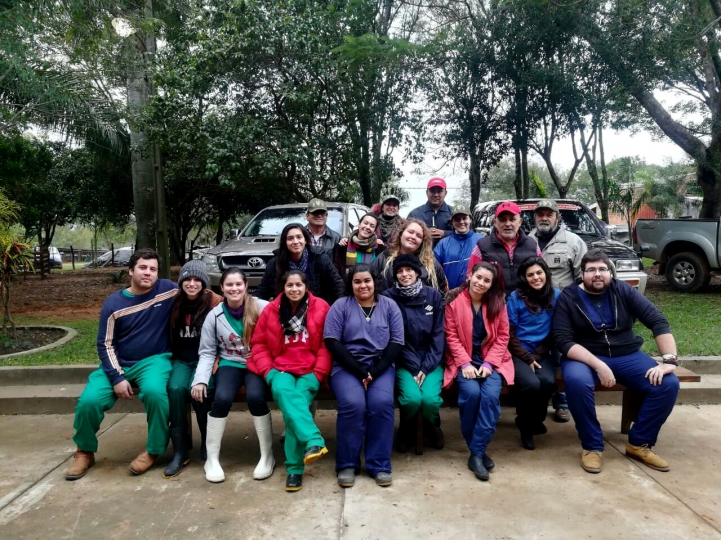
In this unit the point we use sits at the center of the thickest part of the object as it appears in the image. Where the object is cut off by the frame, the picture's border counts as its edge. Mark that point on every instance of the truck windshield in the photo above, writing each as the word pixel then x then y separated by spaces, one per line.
pixel 270 222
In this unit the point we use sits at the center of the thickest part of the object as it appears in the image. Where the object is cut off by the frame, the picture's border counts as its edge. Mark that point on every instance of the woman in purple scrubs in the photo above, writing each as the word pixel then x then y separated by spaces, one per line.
pixel 364 334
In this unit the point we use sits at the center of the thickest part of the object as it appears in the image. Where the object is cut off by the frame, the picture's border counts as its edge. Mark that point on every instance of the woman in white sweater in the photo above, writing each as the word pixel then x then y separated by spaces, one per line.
pixel 226 334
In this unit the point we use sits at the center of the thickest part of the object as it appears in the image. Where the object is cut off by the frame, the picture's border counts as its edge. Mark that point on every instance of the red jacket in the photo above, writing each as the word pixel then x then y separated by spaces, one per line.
pixel 268 342
pixel 459 339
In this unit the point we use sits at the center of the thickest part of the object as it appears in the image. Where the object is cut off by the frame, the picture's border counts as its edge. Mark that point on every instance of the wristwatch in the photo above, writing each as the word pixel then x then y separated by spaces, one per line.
pixel 670 359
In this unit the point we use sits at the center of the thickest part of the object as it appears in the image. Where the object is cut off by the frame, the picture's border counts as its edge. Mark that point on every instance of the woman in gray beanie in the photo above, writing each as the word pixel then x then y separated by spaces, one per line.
pixel 192 303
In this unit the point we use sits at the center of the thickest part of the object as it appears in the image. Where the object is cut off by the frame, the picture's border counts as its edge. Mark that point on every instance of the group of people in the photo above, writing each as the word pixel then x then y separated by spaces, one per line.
pixel 377 316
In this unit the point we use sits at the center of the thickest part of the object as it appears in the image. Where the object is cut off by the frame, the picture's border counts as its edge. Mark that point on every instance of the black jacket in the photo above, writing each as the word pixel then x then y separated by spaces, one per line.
pixel 423 318
pixel 386 281
pixel 493 249
pixel 572 325
pixel 323 280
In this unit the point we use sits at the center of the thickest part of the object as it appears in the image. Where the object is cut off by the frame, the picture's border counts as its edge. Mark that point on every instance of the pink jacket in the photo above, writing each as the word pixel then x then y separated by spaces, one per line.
pixel 459 338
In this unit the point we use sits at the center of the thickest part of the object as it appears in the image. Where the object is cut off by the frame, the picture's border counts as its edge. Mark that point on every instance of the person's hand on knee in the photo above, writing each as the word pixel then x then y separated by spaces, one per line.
pixel 123 390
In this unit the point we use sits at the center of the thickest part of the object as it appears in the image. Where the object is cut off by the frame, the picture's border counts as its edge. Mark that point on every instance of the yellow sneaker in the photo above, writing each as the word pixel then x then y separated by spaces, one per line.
pixel 645 455
pixel 592 461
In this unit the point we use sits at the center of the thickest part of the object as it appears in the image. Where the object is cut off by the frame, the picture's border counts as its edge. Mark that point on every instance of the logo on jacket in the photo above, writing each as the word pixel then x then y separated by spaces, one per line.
pixel 557 260
pixel 429 309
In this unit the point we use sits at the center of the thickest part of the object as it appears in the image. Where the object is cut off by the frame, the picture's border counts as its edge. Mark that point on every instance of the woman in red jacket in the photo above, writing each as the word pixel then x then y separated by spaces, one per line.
pixel 289 352
pixel 477 357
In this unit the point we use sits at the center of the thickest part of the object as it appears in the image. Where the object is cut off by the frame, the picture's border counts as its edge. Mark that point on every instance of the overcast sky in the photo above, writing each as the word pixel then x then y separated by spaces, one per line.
pixel 616 144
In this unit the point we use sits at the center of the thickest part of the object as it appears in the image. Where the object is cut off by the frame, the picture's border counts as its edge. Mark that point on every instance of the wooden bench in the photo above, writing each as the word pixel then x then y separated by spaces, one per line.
pixel 630 407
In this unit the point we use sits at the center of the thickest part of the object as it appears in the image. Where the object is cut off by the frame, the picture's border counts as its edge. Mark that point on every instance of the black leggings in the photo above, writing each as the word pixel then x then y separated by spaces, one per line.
pixel 227 381
pixel 533 390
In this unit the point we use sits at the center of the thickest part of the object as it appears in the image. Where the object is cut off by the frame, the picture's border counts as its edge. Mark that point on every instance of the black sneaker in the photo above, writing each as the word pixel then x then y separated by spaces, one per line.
pixel 475 463
pixel 294 482
pixel 562 415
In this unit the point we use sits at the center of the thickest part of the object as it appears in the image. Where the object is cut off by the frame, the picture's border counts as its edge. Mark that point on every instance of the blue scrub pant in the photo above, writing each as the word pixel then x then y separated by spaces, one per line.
pixel 364 416
pixel 630 371
pixel 480 407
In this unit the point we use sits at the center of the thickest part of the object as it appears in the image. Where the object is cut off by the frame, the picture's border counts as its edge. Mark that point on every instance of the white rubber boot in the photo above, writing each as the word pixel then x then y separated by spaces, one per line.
pixel 213 470
pixel 264 429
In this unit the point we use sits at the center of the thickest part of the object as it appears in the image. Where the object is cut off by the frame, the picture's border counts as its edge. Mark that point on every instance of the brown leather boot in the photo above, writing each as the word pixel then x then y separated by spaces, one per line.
pixel 80 465
pixel 142 463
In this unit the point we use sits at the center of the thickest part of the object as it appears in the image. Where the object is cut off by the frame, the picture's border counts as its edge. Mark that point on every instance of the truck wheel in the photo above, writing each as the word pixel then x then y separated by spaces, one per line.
pixel 687 272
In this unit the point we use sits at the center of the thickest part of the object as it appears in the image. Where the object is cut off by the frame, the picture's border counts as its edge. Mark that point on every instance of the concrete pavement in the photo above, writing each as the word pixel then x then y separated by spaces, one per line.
pixel 539 494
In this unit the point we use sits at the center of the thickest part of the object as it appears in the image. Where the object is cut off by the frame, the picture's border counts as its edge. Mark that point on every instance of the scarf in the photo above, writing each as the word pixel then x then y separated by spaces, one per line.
pixel 360 251
pixel 301 265
pixel 293 323
pixel 236 313
pixel 388 226
pixel 410 291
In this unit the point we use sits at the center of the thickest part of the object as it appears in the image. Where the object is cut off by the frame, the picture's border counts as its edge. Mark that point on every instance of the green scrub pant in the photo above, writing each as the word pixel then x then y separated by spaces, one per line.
pixel 179 385
pixel 151 377
pixel 425 398
pixel 294 395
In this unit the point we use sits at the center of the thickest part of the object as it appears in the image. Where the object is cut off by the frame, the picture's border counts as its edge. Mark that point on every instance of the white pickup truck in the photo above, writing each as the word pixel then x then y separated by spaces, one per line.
pixel 687 250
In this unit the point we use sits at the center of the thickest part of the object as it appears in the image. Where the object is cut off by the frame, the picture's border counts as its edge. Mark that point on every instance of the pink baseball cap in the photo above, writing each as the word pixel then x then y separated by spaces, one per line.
pixel 508 206
pixel 436 181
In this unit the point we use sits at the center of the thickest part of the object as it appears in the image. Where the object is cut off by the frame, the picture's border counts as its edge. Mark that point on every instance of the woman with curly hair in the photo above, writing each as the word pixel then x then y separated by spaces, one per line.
pixel 530 311
pixel 477 357
pixel 413 238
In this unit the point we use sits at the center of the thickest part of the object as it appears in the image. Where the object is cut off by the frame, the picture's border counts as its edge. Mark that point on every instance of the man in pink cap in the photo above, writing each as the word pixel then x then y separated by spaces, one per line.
pixel 435 213
pixel 506 245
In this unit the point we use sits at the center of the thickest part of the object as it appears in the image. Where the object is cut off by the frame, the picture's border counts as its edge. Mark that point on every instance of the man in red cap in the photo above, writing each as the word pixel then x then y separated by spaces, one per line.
pixel 506 245
pixel 435 213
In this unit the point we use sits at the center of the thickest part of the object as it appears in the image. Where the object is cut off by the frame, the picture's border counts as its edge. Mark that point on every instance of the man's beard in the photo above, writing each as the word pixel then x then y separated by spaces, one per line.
pixel 546 230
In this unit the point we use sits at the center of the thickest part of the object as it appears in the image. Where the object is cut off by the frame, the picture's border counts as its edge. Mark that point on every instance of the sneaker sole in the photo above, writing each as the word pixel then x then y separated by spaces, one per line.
pixel 590 470
pixel 636 458
pixel 346 484
pixel 185 463
pixel 311 458
pixel 384 484
pixel 293 489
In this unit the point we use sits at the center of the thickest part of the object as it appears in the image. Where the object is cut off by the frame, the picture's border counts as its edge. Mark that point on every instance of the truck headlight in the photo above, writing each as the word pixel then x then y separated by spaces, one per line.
pixel 211 263
pixel 628 265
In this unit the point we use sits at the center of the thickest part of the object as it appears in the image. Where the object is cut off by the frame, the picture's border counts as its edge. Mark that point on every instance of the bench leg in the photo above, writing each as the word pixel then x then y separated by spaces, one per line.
pixel 629 411
pixel 419 434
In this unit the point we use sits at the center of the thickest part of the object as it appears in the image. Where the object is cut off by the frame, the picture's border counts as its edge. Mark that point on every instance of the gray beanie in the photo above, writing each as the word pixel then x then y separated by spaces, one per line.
pixel 196 269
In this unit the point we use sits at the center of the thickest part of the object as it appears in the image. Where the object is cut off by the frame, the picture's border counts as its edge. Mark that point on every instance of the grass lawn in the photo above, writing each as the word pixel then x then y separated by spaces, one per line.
pixel 81 350
pixel 695 321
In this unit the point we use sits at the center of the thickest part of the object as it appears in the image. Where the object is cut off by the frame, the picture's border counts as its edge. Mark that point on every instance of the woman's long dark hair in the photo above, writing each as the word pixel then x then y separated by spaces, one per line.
pixel 281 260
pixel 536 301
pixel 198 309
pixel 357 269
pixel 493 298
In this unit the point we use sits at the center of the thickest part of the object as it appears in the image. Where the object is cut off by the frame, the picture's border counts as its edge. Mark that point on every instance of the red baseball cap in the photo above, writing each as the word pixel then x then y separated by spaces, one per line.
pixel 436 181
pixel 508 206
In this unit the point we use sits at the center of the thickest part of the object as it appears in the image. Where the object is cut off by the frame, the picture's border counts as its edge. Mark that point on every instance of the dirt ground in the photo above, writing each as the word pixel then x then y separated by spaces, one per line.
pixel 79 294
pixel 70 294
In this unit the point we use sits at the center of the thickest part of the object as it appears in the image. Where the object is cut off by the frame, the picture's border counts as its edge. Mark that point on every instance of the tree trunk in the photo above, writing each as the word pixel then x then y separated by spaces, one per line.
pixel 711 187
pixel 524 170
pixel 474 178
pixel 517 181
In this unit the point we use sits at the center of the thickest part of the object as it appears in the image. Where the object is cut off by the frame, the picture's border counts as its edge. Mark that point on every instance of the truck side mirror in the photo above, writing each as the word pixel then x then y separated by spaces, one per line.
pixel 232 234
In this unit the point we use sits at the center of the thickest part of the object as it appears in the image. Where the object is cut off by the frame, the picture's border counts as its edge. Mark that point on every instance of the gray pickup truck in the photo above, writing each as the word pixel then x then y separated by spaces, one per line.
pixel 254 245
pixel 687 250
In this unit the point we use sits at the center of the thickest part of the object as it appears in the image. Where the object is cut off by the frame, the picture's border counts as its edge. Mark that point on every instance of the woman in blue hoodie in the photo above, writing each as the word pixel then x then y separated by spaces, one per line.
pixel 530 313
pixel 419 374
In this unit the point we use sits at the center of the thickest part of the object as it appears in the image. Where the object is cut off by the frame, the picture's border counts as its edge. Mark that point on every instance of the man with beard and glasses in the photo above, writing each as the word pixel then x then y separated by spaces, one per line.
pixel 506 244
pixel 593 330
pixel 562 250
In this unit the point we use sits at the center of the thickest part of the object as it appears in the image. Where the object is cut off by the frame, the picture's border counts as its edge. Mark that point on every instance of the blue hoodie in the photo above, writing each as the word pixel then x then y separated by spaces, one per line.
pixel 453 253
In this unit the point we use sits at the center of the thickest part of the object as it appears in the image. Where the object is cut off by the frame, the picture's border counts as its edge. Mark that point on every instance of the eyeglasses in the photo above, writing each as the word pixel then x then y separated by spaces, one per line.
pixel 602 270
